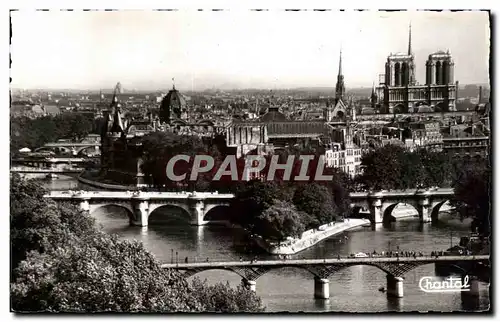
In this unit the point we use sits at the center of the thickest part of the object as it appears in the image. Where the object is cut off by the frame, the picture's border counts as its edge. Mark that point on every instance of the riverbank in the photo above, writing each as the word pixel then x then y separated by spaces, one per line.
pixel 309 238
pixel 84 178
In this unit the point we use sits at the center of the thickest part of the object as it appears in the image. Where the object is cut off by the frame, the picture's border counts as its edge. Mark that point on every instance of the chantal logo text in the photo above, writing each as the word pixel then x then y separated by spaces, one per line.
pixel 430 284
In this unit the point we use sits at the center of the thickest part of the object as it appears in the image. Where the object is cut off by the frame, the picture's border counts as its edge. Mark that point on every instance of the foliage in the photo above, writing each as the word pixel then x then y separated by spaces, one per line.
pixel 393 167
pixel 279 221
pixel 252 198
pixel 317 201
pixel 222 298
pixel 472 195
pixel 67 265
pixel 382 168
pixel 96 274
pixel 439 170
pixel 38 224
pixel 34 133
pixel 159 147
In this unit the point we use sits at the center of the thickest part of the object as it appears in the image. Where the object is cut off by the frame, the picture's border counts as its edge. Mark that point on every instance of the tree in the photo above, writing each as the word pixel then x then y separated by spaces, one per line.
pixel 438 167
pixel 68 265
pixel 252 198
pixel 279 221
pixel 37 224
pixel 412 172
pixel 382 168
pixel 472 196
pixel 222 298
pixel 34 133
pixel 159 147
pixel 317 201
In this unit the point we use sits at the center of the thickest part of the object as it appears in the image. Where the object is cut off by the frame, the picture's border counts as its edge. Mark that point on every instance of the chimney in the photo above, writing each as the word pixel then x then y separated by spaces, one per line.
pixel 480 94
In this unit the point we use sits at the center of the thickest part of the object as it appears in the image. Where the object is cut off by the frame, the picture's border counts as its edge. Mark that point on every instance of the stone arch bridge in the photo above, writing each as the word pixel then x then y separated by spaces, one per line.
pixel 77 147
pixel 323 269
pixel 197 204
pixel 381 204
pixel 141 204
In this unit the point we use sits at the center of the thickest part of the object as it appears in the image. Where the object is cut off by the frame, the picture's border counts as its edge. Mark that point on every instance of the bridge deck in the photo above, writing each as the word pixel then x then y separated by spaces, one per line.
pixel 211 195
pixel 404 193
pixel 301 262
pixel 46 170
pixel 131 194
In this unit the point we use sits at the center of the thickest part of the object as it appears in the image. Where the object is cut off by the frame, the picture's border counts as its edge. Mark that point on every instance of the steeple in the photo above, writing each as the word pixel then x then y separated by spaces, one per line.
pixel 409 41
pixel 340 63
pixel 373 97
pixel 340 88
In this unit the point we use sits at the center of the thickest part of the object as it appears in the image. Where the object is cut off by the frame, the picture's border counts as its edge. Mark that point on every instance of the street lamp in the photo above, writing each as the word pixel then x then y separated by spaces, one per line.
pixel 177 258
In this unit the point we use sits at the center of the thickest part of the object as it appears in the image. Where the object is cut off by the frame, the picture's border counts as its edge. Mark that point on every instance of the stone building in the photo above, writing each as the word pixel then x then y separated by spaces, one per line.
pixel 401 93
pixel 273 130
pixel 121 149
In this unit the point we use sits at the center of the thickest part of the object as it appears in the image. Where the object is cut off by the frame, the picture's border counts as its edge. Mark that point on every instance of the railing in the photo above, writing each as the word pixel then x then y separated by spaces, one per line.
pixel 339 259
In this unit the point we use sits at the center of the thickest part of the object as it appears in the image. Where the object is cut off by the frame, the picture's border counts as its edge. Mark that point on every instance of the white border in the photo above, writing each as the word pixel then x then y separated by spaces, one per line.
pixel 186 4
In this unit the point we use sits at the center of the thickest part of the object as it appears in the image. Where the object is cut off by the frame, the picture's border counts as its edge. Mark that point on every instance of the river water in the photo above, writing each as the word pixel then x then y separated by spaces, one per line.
pixel 353 289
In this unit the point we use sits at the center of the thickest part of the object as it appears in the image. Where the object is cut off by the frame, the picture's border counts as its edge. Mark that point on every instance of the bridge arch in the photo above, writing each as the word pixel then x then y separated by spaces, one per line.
pixel 158 213
pixel 435 210
pixel 387 215
pixel 127 208
pixel 81 150
pixel 216 212
pixel 193 272
pixel 399 108
pixel 358 211
pixel 320 271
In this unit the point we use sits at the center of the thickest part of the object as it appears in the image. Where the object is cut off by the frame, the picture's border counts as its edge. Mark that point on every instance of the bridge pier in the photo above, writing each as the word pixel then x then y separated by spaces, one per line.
pixel 376 215
pixel 141 213
pixel 197 213
pixel 474 286
pixel 251 285
pixel 85 205
pixel 394 286
pixel 321 288
pixel 424 211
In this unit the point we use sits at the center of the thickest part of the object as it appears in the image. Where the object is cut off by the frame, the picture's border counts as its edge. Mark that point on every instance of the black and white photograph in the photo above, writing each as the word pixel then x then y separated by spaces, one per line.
pixel 250 161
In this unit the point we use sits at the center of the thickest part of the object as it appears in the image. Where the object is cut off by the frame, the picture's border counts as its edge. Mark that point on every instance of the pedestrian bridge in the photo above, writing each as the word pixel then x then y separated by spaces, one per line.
pixel 323 269
pixel 197 204
pixel 381 204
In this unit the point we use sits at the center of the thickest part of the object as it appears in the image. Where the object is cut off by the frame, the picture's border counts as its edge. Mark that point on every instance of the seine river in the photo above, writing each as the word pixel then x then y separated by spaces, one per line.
pixel 354 289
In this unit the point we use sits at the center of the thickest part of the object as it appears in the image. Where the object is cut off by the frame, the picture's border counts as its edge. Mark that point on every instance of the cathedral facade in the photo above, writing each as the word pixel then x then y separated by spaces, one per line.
pixel 401 93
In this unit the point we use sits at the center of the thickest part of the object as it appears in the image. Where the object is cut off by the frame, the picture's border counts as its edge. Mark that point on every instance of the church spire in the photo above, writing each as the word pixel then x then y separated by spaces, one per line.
pixel 373 97
pixel 340 62
pixel 340 88
pixel 409 41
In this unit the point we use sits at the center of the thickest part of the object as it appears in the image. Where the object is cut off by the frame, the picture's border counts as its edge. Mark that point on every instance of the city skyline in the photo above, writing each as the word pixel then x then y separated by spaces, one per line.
pixel 235 49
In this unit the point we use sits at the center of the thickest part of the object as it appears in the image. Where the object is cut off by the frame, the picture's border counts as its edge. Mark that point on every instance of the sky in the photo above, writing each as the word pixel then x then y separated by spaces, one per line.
pixel 144 50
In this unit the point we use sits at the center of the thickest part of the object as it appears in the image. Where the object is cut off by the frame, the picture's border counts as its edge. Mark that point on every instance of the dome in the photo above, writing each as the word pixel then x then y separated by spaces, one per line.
pixel 172 106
